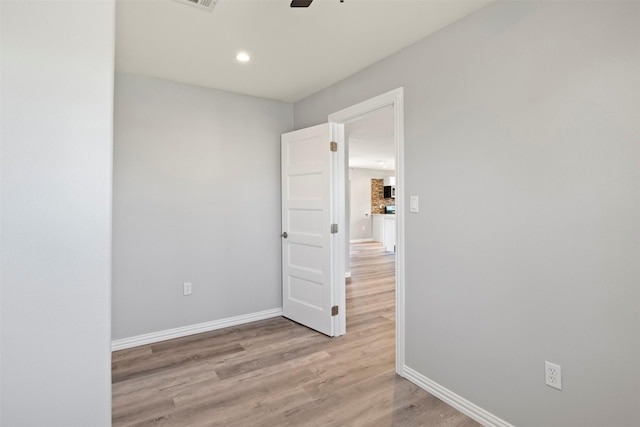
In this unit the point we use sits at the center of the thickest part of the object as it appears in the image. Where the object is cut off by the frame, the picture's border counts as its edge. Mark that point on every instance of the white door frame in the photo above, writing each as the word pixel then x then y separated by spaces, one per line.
pixel 394 98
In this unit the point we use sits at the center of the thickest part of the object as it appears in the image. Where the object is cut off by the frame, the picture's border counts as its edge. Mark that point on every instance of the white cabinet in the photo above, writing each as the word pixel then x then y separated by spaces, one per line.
pixel 384 231
pixel 377 228
pixel 389 235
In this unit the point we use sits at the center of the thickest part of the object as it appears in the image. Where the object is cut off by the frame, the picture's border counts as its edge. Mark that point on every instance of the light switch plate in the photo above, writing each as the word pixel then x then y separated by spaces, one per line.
pixel 413 204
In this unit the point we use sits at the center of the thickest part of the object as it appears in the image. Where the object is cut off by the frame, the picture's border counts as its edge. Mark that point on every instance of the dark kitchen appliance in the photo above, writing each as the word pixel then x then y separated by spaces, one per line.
pixel 389 191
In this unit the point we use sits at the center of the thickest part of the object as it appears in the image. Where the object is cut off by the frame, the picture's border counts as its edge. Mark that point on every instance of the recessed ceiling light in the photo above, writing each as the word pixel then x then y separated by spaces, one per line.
pixel 243 57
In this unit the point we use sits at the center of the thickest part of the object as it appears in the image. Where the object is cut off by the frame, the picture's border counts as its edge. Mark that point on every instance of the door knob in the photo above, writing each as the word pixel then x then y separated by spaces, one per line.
pixel 285 235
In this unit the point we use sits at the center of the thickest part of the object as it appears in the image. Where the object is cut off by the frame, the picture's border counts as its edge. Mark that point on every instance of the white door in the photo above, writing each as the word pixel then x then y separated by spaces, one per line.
pixel 308 244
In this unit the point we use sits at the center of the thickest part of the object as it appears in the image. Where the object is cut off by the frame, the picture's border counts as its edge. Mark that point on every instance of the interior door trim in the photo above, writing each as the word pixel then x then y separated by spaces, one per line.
pixel 394 98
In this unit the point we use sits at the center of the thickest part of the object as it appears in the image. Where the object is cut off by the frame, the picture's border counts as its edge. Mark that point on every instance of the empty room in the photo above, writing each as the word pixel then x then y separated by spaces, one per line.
pixel 178 245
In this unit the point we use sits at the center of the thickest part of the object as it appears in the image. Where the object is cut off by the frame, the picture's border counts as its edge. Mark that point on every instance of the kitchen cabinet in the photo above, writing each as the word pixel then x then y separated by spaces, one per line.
pixel 384 230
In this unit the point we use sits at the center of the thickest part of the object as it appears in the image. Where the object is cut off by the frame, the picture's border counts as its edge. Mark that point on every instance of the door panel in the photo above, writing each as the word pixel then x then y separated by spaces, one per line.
pixel 307 251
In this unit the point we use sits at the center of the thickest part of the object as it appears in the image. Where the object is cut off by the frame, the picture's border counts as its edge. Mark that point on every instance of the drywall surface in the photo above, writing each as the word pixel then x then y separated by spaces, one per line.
pixel 56 140
pixel 522 140
pixel 360 180
pixel 196 199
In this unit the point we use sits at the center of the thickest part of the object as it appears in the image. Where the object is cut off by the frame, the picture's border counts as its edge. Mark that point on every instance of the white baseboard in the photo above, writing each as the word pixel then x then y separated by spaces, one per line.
pixel 360 240
pixel 461 404
pixel 184 331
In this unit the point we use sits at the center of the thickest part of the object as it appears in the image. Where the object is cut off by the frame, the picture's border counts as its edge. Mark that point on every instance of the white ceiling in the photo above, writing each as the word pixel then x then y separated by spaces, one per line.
pixel 371 143
pixel 295 52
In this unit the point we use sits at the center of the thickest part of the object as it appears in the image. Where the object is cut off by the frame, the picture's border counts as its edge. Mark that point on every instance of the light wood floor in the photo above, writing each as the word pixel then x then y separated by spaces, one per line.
pixel 278 373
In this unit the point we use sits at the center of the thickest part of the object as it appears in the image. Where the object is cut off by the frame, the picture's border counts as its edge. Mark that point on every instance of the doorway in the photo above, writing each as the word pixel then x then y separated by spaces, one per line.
pixel 394 101
pixel 371 222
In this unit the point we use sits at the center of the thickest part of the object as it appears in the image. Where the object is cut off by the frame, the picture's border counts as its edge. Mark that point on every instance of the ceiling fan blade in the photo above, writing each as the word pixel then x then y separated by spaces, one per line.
pixel 300 3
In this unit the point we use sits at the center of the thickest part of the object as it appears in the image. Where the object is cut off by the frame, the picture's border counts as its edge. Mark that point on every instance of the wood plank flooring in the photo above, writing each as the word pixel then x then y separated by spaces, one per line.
pixel 278 373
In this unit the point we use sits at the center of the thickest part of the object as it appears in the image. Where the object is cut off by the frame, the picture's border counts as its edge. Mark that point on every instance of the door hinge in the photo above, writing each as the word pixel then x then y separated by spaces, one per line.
pixel 334 228
pixel 333 146
pixel 334 310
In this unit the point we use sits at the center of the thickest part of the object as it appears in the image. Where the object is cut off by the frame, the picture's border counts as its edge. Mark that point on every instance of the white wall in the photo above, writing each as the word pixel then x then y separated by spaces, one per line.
pixel 56 141
pixel 522 139
pixel 361 200
pixel 196 199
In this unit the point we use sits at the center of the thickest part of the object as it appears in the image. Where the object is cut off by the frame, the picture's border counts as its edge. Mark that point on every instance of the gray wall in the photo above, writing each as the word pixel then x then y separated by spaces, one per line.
pixel 196 199
pixel 56 133
pixel 361 200
pixel 522 139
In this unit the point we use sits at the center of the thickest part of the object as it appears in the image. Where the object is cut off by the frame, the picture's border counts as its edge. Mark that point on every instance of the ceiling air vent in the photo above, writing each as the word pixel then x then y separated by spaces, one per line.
pixel 200 4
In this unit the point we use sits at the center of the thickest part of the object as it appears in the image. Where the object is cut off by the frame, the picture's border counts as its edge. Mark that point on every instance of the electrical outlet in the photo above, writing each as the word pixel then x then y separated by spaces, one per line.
pixel 186 289
pixel 553 375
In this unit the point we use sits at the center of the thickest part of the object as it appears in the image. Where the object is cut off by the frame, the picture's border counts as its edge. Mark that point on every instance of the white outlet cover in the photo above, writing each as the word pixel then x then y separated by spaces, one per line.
pixel 186 289
pixel 553 375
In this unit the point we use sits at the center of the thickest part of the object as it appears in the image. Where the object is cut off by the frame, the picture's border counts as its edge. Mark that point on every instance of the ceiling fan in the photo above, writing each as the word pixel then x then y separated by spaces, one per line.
pixel 304 3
